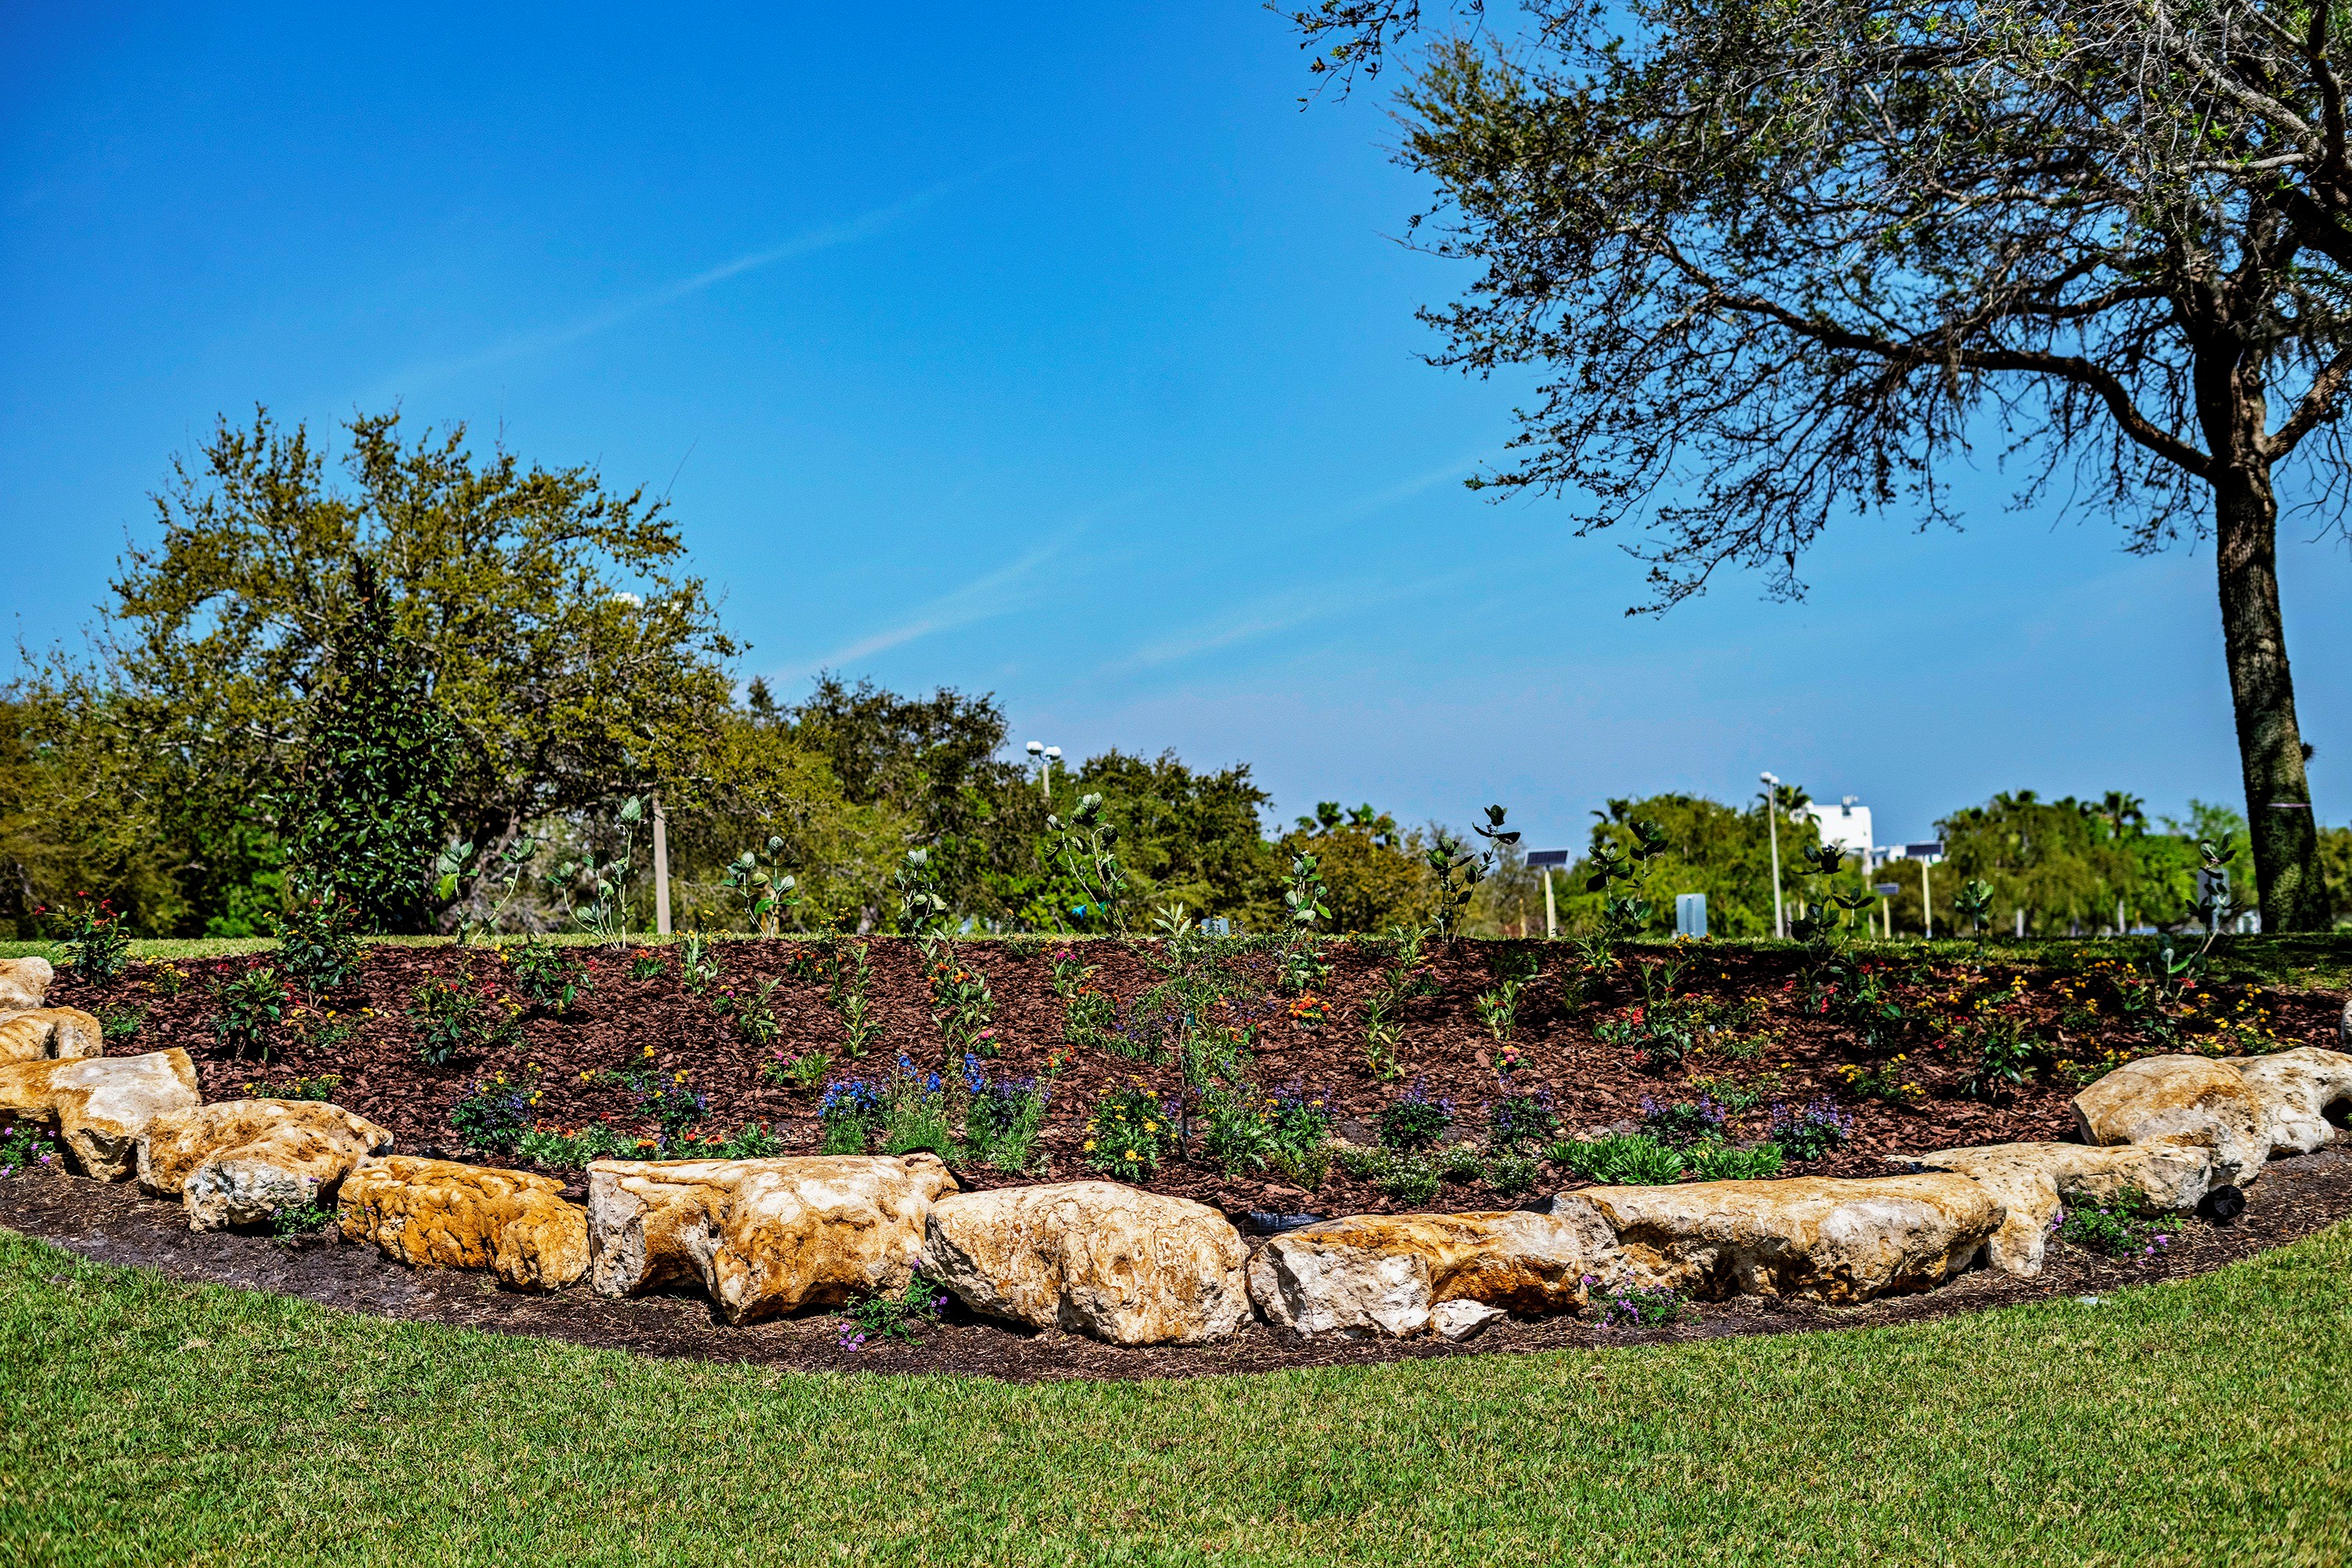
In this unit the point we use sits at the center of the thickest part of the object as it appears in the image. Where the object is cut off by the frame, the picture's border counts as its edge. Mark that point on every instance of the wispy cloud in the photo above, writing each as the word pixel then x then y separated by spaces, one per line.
pixel 522 345
pixel 1278 612
pixel 985 597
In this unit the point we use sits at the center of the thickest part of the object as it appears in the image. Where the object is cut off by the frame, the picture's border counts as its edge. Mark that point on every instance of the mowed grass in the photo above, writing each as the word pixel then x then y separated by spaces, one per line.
pixel 2197 1423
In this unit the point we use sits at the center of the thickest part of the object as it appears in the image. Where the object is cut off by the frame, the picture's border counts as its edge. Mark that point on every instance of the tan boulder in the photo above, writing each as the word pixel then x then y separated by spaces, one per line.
pixel 765 1236
pixel 2033 1181
pixel 24 983
pixel 443 1215
pixel 238 1161
pixel 1818 1236
pixel 1092 1258
pixel 1385 1274
pixel 49 1033
pixel 2298 1089
pixel 2191 1100
pixel 101 1105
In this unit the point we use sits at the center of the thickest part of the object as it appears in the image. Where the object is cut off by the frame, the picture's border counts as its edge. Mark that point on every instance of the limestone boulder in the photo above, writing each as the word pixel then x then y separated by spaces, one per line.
pixel 1092 1258
pixel 101 1105
pixel 2190 1101
pixel 49 1033
pixel 1387 1274
pixel 24 983
pixel 765 1236
pixel 238 1161
pixel 443 1215
pixel 2032 1181
pixel 2298 1090
pixel 1817 1236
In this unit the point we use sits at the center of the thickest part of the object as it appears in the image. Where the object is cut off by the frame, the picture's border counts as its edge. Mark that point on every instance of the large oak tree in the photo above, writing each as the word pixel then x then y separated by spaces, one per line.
pixel 1783 259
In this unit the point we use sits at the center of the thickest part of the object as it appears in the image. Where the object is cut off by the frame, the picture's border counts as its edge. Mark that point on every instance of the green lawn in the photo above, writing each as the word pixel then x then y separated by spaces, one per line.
pixel 2198 1422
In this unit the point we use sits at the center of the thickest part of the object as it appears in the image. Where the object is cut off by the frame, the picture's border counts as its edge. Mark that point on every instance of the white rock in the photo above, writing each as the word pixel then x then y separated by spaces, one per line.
pixel 1384 1274
pixel 237 1162
pixel 101 1105
pixel 2032 1181
pixel 24 983
pixel 2298 1089
pixel 1098 1258
pixel 49 1033
pixel 2181 1100
pixel 765 1236
pixel 1818 1236
pixel 1459 1320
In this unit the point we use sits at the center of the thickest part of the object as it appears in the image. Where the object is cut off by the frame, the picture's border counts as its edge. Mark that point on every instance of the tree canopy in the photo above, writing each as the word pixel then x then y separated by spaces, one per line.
pixel 1781 260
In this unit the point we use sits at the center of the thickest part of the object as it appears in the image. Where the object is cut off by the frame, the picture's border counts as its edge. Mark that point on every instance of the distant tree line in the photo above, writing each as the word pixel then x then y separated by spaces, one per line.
pixel 430 684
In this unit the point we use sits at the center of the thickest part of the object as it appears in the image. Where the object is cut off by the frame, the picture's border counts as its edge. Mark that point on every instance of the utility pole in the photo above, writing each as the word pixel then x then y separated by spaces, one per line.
pixel 661 869
pixel 1552 911
pixel 1927 909
pixel 1772 835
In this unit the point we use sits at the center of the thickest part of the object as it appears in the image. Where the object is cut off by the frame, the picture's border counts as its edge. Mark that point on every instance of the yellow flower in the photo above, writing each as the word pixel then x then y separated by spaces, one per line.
pixel 1130 1153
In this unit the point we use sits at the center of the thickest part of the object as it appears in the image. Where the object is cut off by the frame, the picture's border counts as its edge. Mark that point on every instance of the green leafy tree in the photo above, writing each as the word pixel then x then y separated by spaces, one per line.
pixel 544 614
pixel 1779 263
pixel 1375 875
pixel 363 814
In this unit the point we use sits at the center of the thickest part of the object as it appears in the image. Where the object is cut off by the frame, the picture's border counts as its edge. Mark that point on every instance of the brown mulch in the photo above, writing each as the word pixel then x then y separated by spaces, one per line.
pixel 115 1224
pixel 1592 1085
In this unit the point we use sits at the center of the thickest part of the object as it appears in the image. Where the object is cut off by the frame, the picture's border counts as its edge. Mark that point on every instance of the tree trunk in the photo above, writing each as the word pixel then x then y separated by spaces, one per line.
pixel 2270 743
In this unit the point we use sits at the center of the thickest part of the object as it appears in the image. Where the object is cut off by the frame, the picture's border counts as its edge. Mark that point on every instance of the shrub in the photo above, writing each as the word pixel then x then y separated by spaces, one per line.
pixel 318 941
pixel 1809 1132
pixel 25 1146
pixel 2128 1225
pixel 1521 1118
pixel 915 1112
pixel 805 1070
pixel 962 1005
pixel 754 1141
pixel 116 1025
pixel 1684 1122
pixel 891 1316
pixel 289 1220
pixel 1634 1161
pixel 98 950
pixel 323 1086
pixel 245 1007
pixel 1722 1163
pixel 1238 1128
pixel 1636 1307
pixel 497 1113
pixel 755 1013
pixel 1125 1132
pixel 1414 1120
pixel 543 1145
pixel 1302 1136
pixel 849 1113
pixel 677 1110
pixel 646 966
pixel 549 978
pixel 1509 1173
pixel 1884 1082
pixel 452 1017
pixel 1003 1117
pixel 1090 1017
pixel 2004 1060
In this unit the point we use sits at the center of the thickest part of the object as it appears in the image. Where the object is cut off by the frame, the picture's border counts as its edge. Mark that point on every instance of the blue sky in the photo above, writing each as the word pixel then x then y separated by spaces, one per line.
pixel 1046 350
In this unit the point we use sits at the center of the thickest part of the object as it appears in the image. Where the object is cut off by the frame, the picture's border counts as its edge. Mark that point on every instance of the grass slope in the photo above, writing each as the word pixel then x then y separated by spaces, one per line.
pixel 2198 1422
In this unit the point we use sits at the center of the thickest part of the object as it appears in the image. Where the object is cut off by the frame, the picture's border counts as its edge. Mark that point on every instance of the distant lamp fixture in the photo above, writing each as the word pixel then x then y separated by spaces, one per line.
pixel 1047 756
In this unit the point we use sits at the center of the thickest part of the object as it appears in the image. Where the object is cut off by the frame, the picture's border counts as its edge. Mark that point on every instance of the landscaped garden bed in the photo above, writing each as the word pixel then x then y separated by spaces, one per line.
pixel 1022 1136
pixel 667 1069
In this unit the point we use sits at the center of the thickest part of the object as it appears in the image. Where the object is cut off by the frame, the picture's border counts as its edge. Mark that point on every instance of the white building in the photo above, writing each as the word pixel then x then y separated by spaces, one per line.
pixel 1845 825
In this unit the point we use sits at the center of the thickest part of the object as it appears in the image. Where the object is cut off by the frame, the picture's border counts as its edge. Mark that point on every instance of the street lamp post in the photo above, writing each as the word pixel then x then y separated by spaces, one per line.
pixel 1046 756
pixel 1772 835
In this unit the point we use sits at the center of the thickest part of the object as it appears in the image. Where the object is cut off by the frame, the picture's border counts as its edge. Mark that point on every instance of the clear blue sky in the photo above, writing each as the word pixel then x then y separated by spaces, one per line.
pixel 1045 351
